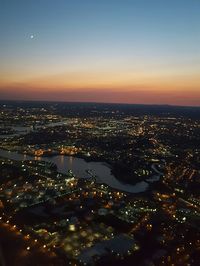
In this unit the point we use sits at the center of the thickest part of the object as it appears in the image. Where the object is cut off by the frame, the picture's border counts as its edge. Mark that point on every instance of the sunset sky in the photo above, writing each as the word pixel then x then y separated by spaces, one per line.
pixel 130 51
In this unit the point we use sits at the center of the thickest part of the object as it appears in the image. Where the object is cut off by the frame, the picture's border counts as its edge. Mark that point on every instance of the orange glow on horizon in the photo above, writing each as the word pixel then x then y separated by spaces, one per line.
pixel 102 51
pixel 136 96
pixel 98 86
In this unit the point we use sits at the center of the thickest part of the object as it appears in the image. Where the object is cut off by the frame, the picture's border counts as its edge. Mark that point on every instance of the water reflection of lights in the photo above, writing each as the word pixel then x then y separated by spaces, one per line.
pixel 70 160
pixel 62 159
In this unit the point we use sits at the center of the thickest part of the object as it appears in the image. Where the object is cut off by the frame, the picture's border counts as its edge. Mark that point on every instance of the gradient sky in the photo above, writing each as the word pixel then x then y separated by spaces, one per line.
pixel 132 51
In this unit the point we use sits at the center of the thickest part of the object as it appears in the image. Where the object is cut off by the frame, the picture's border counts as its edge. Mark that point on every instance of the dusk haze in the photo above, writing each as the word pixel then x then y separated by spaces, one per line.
pixel 115 51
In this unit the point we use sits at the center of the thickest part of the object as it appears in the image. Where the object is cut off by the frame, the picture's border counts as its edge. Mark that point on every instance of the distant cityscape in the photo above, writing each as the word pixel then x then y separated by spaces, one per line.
pixel 99 184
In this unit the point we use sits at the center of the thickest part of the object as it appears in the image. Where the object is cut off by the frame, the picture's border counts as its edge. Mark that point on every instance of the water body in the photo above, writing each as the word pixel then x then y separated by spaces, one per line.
pixel 23 130
pixel 79 167
pixel 20 131
pixel 155 177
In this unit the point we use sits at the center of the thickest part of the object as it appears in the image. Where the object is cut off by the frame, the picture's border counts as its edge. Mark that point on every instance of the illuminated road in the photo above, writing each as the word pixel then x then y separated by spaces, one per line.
pixel 15 249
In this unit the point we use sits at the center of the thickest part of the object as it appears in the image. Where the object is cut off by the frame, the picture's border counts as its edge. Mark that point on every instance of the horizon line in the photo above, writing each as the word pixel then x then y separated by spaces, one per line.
pixel 93 102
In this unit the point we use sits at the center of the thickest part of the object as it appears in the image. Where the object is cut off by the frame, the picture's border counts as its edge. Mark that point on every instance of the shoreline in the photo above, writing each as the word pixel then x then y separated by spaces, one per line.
pixel 93 160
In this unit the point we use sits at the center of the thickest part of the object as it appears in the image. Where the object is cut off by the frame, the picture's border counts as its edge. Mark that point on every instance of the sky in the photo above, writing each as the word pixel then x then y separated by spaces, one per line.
pixel 127 51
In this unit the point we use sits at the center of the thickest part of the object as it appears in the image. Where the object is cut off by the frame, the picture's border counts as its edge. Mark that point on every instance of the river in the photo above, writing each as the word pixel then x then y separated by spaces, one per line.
pixel 79 167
